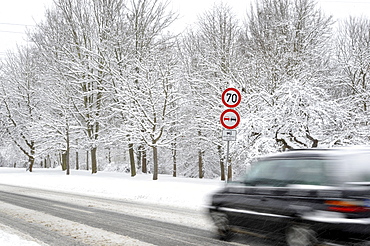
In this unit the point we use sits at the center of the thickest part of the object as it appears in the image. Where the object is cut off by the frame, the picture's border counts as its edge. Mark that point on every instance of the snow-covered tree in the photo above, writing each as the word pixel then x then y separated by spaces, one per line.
pixel 20 101
pixel 210 61
pixel 78 39
pixel 141 75
pixel 286 45
pixel 352 65
pixel 153 96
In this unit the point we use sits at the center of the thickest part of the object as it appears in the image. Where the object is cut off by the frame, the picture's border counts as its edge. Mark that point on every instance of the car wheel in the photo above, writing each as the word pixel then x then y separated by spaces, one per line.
pixel 222 223
pixel 297 235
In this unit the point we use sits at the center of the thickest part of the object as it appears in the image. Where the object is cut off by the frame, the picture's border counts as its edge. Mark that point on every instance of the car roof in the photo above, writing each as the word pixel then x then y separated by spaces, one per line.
pixel 297 154
pixel 316 153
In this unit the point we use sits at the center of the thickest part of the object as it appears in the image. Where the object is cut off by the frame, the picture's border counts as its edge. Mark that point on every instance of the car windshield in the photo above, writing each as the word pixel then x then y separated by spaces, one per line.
pixel 285 172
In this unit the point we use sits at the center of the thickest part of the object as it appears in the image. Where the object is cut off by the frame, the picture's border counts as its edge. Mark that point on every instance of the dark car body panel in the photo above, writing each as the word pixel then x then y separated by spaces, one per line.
pixel 320 202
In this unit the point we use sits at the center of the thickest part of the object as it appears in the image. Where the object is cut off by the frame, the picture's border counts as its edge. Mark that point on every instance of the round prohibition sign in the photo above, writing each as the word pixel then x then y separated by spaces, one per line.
pixel 231 97
pixel 230 119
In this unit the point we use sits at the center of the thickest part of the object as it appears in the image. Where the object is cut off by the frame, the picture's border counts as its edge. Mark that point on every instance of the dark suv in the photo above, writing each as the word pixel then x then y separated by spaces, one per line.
pixel 306 197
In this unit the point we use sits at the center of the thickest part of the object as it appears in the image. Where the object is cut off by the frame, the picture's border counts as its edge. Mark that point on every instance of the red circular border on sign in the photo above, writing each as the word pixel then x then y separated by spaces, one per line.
pixel 239 97
pixel 237 120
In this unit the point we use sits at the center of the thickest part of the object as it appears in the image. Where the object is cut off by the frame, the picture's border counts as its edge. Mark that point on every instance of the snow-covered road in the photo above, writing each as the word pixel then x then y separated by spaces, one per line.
pixel 183 198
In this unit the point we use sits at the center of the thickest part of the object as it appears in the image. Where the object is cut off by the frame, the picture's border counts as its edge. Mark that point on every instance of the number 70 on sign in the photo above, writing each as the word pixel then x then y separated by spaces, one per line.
pixel 231 97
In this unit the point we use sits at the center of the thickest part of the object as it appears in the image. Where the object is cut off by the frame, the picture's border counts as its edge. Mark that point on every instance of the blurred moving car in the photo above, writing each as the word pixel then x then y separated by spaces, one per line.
pixel 304 197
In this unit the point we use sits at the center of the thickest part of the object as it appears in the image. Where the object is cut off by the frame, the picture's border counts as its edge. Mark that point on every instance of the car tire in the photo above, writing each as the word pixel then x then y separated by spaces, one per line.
pixel 222 223
pixel 300 235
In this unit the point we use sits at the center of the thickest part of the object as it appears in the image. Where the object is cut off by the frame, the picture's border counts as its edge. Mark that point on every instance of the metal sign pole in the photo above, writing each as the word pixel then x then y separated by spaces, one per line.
pixel 230 119
pixel 227 160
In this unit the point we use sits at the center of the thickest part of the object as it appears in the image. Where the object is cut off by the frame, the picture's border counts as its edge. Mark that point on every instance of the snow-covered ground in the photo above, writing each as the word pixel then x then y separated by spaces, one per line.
pixel 10 239
pixel 167 190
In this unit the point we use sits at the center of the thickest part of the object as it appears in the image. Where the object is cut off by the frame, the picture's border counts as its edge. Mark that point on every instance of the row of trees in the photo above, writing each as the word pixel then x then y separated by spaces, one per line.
pixel 106 83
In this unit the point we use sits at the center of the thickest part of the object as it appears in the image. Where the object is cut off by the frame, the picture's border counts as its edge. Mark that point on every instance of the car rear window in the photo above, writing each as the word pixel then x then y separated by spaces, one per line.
pixel 357 167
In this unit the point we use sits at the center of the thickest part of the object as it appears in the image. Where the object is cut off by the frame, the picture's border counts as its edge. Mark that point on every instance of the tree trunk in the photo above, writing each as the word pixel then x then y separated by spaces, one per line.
pixel 64 161
pixel 48 162
pixel 174 171
pixel 67 162
pixel 109 157
pixel 315 142
pixel 155 162
pixel 138 156
pixel 144 166
pixel 87 160
pixel 200 164
pixel 132 159
pixel 68 149
pixel 222 164
pixel 94 165
pixel 229 172
pixel 77 161
pixel 200 158
pixel 174 160
pixel 31 158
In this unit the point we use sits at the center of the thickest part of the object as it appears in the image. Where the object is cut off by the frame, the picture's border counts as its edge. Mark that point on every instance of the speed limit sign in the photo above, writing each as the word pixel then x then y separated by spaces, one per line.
pixel 231 97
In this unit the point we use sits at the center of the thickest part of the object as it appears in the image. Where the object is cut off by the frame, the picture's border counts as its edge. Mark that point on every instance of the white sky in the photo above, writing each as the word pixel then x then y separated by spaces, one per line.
pixel 15 15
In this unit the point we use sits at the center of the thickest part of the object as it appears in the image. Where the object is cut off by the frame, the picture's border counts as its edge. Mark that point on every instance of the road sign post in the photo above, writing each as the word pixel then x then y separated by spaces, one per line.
pixel 230 119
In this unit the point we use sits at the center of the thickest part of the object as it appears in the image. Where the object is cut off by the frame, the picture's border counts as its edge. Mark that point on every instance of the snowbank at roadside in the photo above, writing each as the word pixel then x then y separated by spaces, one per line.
pixel 167 190
pixel 7 239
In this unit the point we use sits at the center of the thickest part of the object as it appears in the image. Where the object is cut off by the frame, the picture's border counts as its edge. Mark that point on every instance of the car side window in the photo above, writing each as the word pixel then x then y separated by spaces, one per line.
pixel 262 173
pixel 312 172
pixel 286 172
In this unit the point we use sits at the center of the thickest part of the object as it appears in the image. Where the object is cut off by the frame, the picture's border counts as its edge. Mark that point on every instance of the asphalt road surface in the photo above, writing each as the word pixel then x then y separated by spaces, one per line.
pixel 54 218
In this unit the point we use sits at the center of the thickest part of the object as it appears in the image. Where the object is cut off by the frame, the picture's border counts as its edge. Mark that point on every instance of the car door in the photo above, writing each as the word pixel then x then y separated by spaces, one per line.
pixel 259 205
